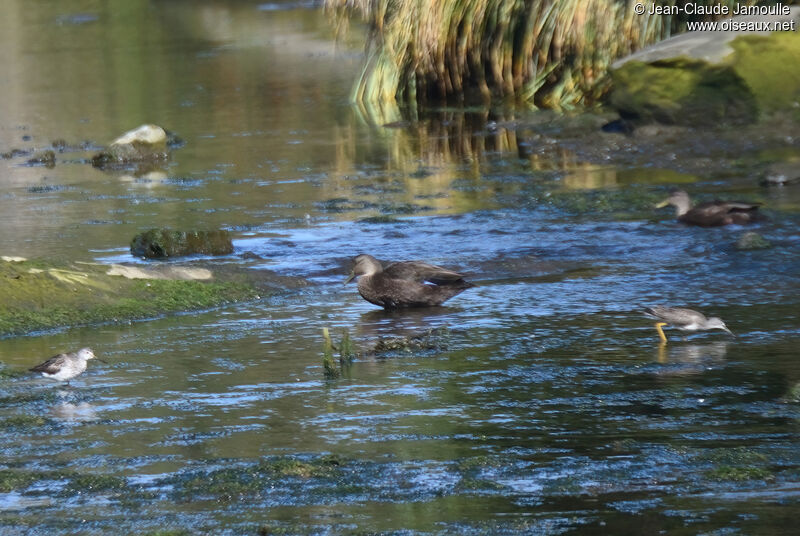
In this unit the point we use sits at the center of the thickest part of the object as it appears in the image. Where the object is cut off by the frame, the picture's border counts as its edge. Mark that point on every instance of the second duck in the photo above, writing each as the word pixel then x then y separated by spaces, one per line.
pixel 711 213
pixel 405 284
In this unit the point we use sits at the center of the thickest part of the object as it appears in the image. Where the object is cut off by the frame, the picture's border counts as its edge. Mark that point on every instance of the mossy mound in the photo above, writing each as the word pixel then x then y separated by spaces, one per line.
pixel 758 78
pixel 681 91
pixel 39 295
pixel 163 243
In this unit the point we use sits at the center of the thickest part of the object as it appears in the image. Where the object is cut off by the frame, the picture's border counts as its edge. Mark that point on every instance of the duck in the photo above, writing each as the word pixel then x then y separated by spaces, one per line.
pixel 683 319
pixel 405 284
pixel 711 214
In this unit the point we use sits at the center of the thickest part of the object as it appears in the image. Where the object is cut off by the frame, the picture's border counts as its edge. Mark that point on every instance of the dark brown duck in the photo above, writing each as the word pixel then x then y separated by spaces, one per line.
pixel 405 284
pixel 712 213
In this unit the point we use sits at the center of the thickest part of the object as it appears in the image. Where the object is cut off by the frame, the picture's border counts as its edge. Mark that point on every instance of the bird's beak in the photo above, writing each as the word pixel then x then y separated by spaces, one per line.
pixel 663 204
pixel 102 360
pixel 730 332
pixel 352 276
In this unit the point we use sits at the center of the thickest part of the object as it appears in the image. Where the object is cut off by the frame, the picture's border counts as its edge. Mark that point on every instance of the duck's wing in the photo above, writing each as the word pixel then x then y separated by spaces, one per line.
pixel 675 315
pixel 720 213
pixel 740 206
pixel 52 365
pixel 421 272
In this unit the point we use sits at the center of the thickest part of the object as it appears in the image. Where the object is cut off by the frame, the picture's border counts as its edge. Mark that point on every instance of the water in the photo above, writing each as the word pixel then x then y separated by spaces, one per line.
pixel 548 406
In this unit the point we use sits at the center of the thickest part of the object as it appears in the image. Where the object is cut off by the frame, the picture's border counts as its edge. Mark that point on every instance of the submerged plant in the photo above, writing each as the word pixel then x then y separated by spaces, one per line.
pixel 553 53
pixel 328 363
pixel 346 353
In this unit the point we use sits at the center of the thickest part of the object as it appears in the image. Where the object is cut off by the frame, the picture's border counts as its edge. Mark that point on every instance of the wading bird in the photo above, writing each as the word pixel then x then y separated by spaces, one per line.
pixel 64 367
pixel 683 319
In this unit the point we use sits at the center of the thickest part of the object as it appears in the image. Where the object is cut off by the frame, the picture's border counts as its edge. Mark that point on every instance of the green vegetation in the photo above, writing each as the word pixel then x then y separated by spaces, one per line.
pixel 22 421
pixel 682 91
pixel 738 474
pixel 554 53
pixel 39 295
pixel 96 483
pixel 346 354
pixel 11 480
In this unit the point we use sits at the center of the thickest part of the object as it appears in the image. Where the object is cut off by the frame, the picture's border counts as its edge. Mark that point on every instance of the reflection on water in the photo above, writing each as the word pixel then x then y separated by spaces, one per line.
pixel 81 412
pixel 692 357
pixel 551 408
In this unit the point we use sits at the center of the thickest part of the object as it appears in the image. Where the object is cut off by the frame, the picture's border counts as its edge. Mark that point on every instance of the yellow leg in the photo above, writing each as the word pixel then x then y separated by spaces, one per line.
pixel 660 331
pixel 662 352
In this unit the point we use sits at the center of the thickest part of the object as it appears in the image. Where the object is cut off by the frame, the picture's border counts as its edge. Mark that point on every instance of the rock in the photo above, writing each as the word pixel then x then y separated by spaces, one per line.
pixel 15 152
pixel 751 241
pixel 45 158
pixel 42 294
pixel 175 273
pixel 781 174
pixel 711 77
pixel 146 143
pixel 250 256
pixel 163 243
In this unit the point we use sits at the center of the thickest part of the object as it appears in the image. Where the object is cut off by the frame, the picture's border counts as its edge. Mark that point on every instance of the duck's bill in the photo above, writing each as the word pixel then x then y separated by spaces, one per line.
pixel 662 204
pixel 730 332
pixel 352 276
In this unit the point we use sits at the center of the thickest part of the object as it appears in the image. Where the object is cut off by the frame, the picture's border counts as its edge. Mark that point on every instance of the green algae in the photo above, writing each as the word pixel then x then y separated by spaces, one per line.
pixel 733 456
pixel 39 295
pixel 736 464
pixel 433 340
pixel 739 474
pixel 11 480
pixel 22 422
pixel 346 351
pixel 761 77
pixel 248 481
pixel 681 91
pixel 95 483
pixel 770 66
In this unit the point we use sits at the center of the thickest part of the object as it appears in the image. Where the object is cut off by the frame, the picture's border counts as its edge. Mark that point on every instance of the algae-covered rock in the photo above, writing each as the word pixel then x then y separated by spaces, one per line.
pixel 751 241
pixel 681 91
pixel 41 295
pixel 44 158
pixel 146 143
pixel 706 78
pixel 163 243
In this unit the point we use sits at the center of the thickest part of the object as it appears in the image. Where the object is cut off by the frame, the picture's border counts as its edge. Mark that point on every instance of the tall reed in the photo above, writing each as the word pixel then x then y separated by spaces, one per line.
pixel 552 53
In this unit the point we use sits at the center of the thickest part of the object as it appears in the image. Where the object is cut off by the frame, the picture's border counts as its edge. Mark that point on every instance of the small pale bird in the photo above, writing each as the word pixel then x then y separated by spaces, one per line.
pixel 64 367
pixel 683 319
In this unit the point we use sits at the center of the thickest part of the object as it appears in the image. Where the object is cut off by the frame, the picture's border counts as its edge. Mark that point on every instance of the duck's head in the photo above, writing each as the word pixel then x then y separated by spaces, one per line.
pixel 364 265
pixel 678 199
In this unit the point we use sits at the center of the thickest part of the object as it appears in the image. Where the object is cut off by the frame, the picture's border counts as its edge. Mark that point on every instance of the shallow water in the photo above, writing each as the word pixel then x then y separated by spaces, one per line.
pixel 547 406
